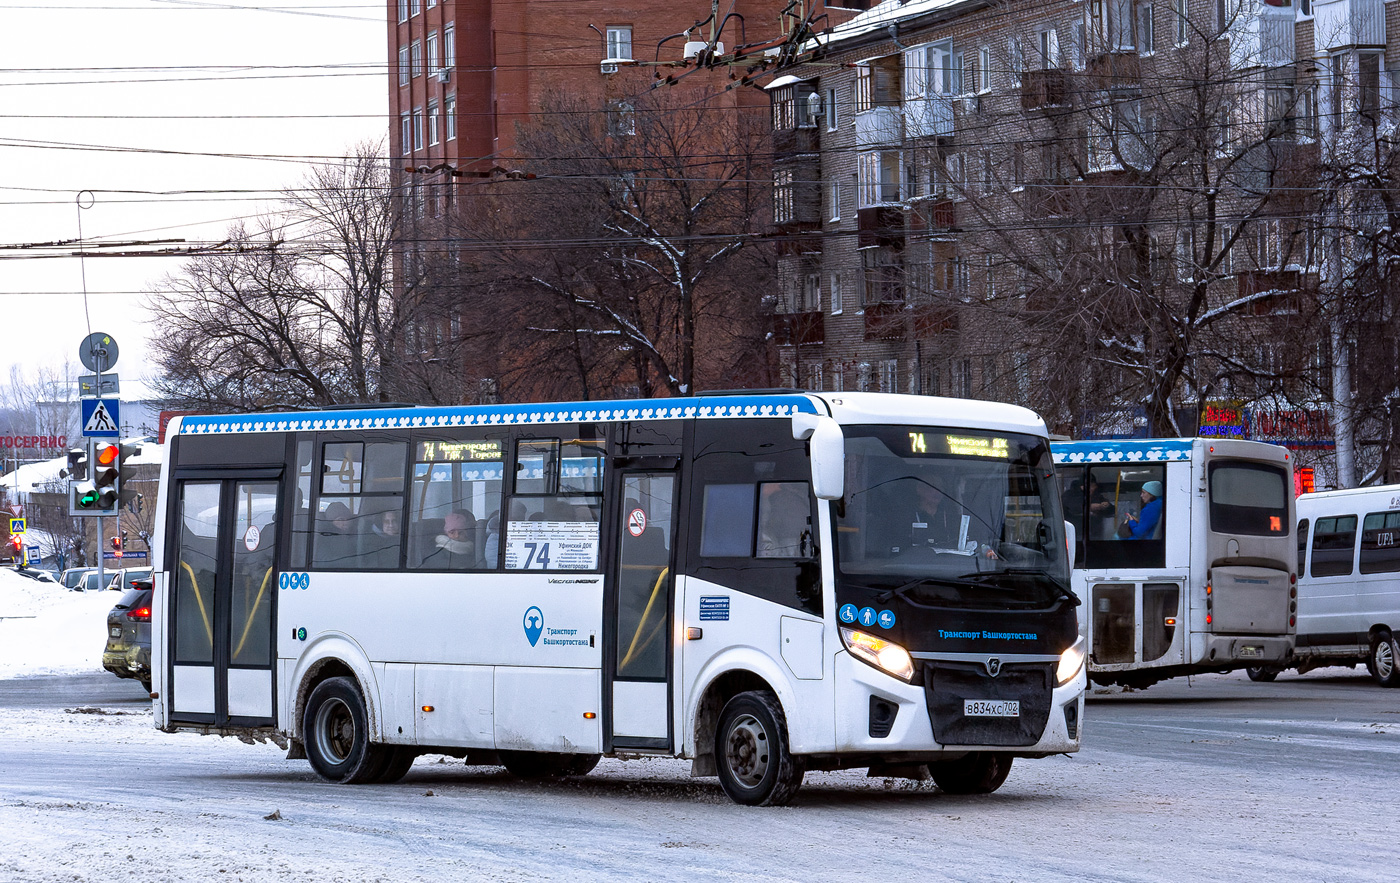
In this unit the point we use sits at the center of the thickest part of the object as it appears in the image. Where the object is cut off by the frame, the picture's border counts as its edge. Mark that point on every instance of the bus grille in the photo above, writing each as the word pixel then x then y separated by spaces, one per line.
pixel 947 684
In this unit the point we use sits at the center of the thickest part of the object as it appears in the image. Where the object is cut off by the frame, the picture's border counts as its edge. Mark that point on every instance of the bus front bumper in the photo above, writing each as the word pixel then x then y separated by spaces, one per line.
pixel 879 714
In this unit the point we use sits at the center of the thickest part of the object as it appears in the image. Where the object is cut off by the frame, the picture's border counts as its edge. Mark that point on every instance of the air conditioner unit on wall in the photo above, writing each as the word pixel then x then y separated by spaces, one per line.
pixel 444 74
pixel 608 67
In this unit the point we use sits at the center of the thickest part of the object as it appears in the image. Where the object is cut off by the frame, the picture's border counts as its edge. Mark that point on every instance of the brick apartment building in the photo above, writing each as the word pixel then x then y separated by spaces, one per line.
pixel 958 182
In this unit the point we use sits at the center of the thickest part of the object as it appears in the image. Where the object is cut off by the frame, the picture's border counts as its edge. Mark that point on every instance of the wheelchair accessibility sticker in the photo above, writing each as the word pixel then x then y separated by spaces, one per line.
pixel 293 580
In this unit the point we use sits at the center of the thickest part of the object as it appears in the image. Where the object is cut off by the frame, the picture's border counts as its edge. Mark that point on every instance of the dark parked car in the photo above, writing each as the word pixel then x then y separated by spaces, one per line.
pixel 128 651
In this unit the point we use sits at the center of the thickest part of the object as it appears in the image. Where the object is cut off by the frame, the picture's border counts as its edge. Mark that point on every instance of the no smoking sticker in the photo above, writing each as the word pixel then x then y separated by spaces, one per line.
pixel 636 522
pixel 251 537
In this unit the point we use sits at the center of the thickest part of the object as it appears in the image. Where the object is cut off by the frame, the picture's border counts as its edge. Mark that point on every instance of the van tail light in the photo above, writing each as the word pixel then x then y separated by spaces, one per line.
pixel 140 614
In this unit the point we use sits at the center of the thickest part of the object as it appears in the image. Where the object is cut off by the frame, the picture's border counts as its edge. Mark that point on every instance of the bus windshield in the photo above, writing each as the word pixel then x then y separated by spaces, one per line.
pixel 951 517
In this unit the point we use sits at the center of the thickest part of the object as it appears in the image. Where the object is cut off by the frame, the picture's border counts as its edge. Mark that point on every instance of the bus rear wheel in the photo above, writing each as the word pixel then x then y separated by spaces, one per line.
pixel 395 760
pixel 981 772
pixel 336 732
pixel 1382 662
pixel 755 766
pixel 546 765
pixel 1261 673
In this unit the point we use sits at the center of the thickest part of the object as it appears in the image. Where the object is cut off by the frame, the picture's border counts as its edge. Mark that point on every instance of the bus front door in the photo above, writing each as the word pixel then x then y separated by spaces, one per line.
pixel 222 586
pixel 642 580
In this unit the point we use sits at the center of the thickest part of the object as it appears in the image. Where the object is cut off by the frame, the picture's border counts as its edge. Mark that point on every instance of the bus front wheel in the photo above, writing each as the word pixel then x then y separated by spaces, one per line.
pixel 336 732
pixel 981 772
pixel 1382 662
pixel 1261 673
pixel 751 751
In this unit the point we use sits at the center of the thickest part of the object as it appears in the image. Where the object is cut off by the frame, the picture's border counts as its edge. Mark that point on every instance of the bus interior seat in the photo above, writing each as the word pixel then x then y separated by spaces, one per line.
pixel 423 540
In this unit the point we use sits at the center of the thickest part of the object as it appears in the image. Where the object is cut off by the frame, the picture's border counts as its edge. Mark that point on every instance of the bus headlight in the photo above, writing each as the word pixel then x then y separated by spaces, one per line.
pixel 884 655
pixel 1071 661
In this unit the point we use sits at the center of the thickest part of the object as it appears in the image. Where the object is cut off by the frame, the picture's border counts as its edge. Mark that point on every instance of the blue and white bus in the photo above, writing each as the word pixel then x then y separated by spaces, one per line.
pixel 762 583
pixel 1184 556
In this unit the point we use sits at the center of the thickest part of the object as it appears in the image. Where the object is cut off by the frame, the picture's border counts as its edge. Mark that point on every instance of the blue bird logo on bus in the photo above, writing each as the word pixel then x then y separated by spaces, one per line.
pixel 534 625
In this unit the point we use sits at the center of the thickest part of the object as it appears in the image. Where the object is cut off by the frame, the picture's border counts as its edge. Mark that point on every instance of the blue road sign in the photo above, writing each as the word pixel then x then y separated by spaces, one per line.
pixel 101 418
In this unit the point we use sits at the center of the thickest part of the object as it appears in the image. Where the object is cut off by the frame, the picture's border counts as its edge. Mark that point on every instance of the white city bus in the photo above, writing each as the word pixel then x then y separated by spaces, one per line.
pixel 744 580
pixel 1348 582
pixel 1184 555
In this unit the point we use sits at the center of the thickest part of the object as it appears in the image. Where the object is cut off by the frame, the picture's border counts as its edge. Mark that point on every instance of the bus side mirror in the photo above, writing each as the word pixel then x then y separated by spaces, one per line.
pixel 827 445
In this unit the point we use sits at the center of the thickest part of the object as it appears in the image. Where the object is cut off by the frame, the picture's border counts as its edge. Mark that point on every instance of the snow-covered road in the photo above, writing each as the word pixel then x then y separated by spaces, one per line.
pixel 1217 779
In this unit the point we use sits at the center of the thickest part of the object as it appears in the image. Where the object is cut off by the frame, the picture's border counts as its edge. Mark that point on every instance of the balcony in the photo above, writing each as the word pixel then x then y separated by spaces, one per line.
pixel 879 127
pixel 885 321
pixel 1263 39
pixel 804 139
pixel 930 217
pixel 1044 88
pixel 1343 23
pixel 1113 71
pixel 799 329
pixel 880 226
pixel 928 117
pixel 933 319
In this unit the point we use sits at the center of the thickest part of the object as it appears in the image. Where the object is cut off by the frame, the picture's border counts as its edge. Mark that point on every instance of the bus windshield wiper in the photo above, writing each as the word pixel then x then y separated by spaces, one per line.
pixel 903 591
pixel 987 576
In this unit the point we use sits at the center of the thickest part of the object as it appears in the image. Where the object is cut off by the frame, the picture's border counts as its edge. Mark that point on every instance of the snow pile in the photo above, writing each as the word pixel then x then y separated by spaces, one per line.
pixel 46 629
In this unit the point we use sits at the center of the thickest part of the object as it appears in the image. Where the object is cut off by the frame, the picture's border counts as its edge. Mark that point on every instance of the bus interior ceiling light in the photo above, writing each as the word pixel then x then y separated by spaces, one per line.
pixel 887 656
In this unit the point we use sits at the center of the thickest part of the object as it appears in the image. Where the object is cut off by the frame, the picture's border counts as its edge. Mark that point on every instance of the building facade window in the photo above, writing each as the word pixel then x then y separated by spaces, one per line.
pixel 782 196
pixel 877 178
pixel 833 116
pixel 449 46
pixel 432 122
pixel 404 68
pixel 1146 36
pixel 415 51
pixel 834 195
pixel 405 133
pixel 415 7
pixel 984 69
pixel 1181 21
pixel 418 128
pixel 449 116
pixel 837 295
pixel 403 11
pixel 811 293
pixel 432 52
pixel 619 41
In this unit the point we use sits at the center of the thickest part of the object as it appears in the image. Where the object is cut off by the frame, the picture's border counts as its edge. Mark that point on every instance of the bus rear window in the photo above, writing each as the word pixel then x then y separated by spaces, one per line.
pixel 1248 498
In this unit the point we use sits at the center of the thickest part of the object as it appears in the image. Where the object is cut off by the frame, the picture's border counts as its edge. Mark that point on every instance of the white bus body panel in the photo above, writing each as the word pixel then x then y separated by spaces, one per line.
pixel 640 709
pixel 194 688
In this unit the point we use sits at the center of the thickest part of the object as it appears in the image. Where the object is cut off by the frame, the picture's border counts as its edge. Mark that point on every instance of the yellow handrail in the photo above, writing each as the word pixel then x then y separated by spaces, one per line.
pixel 248 625
pixel 651 602
pixel 194 584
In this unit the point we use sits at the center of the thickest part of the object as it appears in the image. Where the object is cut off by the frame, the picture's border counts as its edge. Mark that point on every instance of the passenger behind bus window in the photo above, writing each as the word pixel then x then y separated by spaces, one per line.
pixel 456 545
pixel 1144 526
pixel 381 546
pixel 783 520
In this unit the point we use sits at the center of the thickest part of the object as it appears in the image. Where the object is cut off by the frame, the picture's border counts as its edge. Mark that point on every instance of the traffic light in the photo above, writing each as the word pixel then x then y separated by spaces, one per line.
pixel 127 495
pixel 98 495
pixel 14 547
pixel 117 546
pixel 77 467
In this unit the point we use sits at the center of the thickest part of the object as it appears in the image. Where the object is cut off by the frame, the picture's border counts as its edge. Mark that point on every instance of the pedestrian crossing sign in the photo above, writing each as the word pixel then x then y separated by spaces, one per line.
pixel 101 418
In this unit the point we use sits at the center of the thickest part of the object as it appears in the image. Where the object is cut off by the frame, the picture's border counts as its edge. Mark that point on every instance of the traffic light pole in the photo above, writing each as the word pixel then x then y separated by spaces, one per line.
pixel 101 542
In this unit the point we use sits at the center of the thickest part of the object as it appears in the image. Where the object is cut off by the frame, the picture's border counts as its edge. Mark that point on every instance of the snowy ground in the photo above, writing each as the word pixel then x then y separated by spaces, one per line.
pixel 46 629
pixel 1219 779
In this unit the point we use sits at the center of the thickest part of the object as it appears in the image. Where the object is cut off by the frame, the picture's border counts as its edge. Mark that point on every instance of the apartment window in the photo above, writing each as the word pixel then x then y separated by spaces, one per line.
pixel 449 46
pixel 403 10
pixel 1015 60
pixel 1226 265
pixel 782 196
pixel 877 178
pixel 432 122
pixel 432 51
pixel 1368 81
pixel 835 198
pixel 1305 8
pixel 1182 22
pixel 418 128
pixel 405 133
pixel 414 7
pixel 889 375
pixel 621 120
pixel 812 293
pixel 784 112
pixel 1077 45
pixel 986 173
pixel 403 66
pixel 1018 166
pixel 864 88
pixel 1146 37
pixel 620 41
pixel 415 52
pixel 832 116
pixel 837 295
pixel 449 115
pixel 1306 110
pixel 1048 46
pixel 957 179
pixel 989 277
pixel 984 69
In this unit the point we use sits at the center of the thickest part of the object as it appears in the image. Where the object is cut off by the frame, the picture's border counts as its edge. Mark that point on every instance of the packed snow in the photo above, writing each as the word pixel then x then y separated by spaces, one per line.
pixel 47 629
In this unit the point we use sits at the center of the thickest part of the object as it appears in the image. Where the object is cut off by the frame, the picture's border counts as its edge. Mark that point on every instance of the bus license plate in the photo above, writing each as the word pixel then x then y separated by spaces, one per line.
pixel 991 708
pixel 1250 651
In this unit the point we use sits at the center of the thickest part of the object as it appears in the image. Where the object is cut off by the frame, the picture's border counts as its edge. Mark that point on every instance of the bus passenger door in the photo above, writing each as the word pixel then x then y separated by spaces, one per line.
pixel 642 578
pixel 223 582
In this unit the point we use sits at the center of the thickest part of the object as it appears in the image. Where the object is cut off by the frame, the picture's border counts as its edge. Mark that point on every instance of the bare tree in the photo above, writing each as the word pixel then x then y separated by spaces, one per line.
pixel 624 251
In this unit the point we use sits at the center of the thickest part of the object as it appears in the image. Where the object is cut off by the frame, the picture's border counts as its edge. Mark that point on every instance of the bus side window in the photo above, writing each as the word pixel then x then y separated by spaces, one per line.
pixel 1334 544
pixel 555 505
pixel 456 495
pixel 360 507
pixel 1302 546
pixel 1380 543
pixel 301 507
pixel 784 520
pixel 726 521
pixel 1125 516
pixel 1072 501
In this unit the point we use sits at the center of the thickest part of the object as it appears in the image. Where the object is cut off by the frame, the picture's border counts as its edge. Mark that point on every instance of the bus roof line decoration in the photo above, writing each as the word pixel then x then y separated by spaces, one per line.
pixel 764 584
pixel 1183 555
pixel 725 407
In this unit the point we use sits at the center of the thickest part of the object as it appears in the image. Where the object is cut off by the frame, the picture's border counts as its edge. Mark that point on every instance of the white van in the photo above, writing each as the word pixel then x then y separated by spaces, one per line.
pixel 1349 580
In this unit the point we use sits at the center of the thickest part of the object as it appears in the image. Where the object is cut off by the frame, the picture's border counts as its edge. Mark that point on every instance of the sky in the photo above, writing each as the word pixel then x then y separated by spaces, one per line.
pixel 173 119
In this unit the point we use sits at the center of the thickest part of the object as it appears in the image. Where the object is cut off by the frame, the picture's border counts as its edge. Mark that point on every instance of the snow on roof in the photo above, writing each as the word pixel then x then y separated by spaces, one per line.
pixel 785 80
pixel 880 17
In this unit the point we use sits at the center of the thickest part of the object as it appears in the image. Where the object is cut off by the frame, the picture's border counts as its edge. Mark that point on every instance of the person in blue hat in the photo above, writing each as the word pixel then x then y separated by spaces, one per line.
pixel 1144 526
